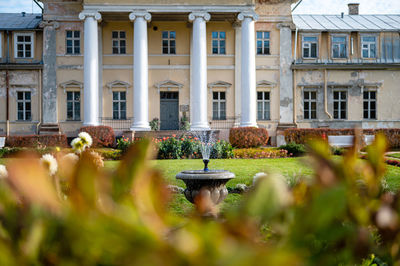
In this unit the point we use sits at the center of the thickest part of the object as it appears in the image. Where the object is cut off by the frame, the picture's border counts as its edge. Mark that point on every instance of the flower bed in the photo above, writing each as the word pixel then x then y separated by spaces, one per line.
pixel 248 137
pixel 260 153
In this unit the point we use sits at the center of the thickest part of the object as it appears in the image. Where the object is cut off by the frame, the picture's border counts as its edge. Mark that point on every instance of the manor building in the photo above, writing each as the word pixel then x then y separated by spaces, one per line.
pixel 218 63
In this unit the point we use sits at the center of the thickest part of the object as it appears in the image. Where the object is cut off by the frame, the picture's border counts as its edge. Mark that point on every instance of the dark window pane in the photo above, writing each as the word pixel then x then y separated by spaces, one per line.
pixel 222 35
pixel 20 95
pixel 344 95
pixel 115 106
pixel 115 34
pixel 77 50
pixel 20 38
pixel 69 43
pixel 259 34
pixel 165 50
pixel 306 52
pixel 306 115
pixel 165 34
pixel 266 35
pixel 172 43
pixel 172 50
pixel 122 34
pixel 122 43
pixel 27 95
pixel 123 95
pixel 335 105
pixel 366 114
pixel 20 116
pixel 122 50
pixel 172 34
pixel 28 54
pixel 115 50
pixel 373 95
pixel 215 95
pixel 336 114
pixel 365 105
pixel 266 95
pixel 365 95
pixel 373 105
pixel 69 34
pixel 77 34
pixel 259 95
pixel 77 96
pixel 69 96
pixel 222 95
pixel 313 50
pixel 123 106
pixel 77 42
pixel 27 38
pixel 313 115
pixel 313 95
pixel 373 114
pixel 214 34
pixel 115 115
pixel 259 50
pixel 115 96
pixel 343 115
pixel 115 43
pixel 336 95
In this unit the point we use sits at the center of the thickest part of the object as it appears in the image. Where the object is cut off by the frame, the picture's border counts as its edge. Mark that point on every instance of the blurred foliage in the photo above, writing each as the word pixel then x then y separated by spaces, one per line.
pixel 342 216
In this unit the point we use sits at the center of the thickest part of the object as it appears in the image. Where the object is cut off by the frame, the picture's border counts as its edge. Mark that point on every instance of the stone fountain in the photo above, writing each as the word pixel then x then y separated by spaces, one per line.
pixel 211 183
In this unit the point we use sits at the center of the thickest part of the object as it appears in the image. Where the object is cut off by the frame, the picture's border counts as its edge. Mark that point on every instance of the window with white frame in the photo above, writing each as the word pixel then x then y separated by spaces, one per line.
pixel 23 45
pixel 219 105
pixel 73 41
pixel 340 104
pixel 369 104
pixel 263 105
pixel 310 104
pixel 218 42
pixel 169 42
pixel 24 105
pixel 119 42
pixel 310 46
pixel 339 47
pixel 368 46
pixel 74 105
pixel 263 42
pixel 119 105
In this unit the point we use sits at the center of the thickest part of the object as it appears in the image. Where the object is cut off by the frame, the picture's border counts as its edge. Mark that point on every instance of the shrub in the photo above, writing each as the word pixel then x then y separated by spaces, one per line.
pixel 32 141
pixel 338 150
pixel 259 153
pixel 103 136
pixel 294 149
pixel 222 150
pixel 184 124
pixel 123 144
pixel 170 148
pixel 109 154
pixel 155 124
pixel 248 137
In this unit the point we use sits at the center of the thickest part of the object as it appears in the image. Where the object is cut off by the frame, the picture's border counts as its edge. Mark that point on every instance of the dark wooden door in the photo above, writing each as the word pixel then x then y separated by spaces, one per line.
pixel 169 110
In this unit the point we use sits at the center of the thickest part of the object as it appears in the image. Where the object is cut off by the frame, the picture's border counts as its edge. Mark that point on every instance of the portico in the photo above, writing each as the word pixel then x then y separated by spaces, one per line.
pixel 199 68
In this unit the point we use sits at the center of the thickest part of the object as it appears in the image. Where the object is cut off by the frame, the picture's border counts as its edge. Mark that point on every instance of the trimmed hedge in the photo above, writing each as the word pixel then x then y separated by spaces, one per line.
pixel 102 136
pixel 260 153
pixel 31 141
pixel 302 135
pixel 248 137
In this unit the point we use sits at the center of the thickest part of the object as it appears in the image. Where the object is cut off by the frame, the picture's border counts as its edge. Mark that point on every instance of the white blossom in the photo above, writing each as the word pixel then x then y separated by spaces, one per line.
pixel 3 172
pixel 86 139
pixel 258 176
pixel 50 163
pixel 77 145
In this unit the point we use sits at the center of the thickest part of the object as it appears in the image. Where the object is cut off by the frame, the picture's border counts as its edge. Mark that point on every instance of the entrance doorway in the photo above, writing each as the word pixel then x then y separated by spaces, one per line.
pixel 169 110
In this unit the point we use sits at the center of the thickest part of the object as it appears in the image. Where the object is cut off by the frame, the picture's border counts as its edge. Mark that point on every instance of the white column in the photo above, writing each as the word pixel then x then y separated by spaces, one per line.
pixel 198 100
pixel 140 72
pixel 248 68
pixel 238 72
pixel 91 68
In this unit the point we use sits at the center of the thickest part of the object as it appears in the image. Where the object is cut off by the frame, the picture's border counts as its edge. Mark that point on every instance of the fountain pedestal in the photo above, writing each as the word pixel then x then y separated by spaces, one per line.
pixel 210 183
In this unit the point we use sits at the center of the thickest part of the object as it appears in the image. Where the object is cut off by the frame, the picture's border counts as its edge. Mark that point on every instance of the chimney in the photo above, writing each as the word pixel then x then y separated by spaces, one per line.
pixel 353 8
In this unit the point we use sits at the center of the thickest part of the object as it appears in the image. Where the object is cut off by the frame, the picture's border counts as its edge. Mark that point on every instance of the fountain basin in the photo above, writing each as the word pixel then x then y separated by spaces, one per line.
pixel 210 183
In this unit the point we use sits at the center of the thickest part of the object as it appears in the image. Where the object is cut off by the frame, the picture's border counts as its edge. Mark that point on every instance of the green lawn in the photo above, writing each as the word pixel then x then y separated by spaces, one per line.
pixel 244 170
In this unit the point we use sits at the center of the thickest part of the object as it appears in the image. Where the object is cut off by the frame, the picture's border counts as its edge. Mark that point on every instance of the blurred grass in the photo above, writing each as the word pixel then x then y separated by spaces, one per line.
pixel 394 155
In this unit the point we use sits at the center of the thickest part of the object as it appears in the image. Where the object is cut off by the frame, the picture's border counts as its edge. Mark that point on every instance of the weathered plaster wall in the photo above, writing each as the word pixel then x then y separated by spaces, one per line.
pixel 388 110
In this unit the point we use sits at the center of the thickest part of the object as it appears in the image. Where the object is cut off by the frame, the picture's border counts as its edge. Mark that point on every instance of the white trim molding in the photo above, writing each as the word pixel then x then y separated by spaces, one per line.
pixel 71 84
pixel 118 83
pixel 167 84
pixel 219 84
pixel 265 84
pixel 32 43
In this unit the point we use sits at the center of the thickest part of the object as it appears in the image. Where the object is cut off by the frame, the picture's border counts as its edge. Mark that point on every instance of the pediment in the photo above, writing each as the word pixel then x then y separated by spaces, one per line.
pixel 71 84
pixel 168 84
pixel 265 83
pixel 118 83
pixel 219 83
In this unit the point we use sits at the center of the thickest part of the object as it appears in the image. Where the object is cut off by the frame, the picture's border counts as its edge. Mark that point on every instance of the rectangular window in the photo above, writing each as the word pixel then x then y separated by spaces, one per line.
pixel 24 103
pixel 340 104
pixel 73 105
pixel 339 47
pixel 218 42
pixel 119 105
pixel 219 105
pixel 169 42
pixel 310 105
pixel 263 105
pixel 73 42
pixel 23 45
pixel 310 44
pixel 369 104
pixel 263 38
pixel 118 42
pixel 368 46
pixel 1 47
